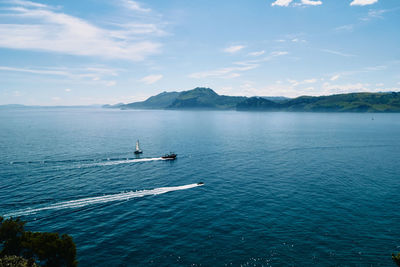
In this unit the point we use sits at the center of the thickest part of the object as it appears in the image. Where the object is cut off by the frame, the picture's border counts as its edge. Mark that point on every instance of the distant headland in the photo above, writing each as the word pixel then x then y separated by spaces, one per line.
pixel 206 98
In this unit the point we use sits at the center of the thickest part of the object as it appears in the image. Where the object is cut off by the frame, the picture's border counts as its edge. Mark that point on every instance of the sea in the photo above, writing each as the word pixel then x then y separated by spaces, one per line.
pixel 280 188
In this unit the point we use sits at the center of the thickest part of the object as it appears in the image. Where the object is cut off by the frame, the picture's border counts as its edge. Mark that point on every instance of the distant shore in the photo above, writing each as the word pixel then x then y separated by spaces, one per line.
pixel 207 99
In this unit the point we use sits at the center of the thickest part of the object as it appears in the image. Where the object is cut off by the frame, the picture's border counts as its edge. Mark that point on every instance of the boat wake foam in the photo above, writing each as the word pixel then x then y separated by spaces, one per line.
pixel 90 162
pixel 117 162
pixel 100 200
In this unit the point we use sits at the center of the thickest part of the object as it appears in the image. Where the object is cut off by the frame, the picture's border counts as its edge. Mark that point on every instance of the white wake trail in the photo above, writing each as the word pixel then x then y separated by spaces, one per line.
pixel 117 162
pixel 101 199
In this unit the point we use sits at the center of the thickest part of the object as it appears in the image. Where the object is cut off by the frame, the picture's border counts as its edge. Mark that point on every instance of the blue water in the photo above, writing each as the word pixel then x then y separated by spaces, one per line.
pixel 280 188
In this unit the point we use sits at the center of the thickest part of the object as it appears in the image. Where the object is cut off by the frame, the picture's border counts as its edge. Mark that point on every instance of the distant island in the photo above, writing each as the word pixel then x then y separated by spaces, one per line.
pixel 206 98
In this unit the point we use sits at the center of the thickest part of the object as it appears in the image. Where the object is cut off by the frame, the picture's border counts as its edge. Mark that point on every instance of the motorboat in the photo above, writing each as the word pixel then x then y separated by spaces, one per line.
pixel 170 156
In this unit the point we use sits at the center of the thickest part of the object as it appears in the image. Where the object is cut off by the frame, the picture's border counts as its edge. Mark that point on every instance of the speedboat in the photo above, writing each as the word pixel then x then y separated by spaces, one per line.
pixel 200 183
pixel 171 156
pixel 137 150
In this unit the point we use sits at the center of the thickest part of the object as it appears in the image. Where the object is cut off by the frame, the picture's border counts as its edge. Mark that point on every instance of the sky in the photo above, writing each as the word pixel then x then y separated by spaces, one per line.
pixel 104 52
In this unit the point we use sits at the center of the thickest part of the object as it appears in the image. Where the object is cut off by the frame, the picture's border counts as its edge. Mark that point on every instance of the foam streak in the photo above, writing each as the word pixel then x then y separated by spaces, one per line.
pixel 101 199
pixel 117 162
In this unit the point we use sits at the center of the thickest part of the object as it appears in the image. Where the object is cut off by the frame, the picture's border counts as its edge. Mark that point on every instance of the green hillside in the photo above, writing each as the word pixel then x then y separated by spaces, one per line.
pixel 206 98
pixel 159 101
pixel 257 103
pixel 198 98
pixel 353 102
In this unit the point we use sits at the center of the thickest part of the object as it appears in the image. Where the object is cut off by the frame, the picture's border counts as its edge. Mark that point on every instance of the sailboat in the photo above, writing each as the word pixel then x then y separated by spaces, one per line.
pixel 137 150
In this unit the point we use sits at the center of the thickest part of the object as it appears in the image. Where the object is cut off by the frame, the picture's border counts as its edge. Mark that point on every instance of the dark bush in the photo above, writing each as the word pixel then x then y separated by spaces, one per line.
pixel 48 249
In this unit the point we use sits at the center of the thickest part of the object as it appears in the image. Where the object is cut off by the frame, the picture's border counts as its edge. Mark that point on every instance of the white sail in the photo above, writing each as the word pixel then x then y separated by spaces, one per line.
pixel 137 145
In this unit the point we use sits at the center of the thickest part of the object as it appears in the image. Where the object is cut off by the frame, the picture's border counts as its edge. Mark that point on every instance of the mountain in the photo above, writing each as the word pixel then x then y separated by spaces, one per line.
pixel 160 101
pixel 353 102
pixel 198 98
pixel 258 104
pixel 276 98
pixel 204 98
pixel 19 106
pixel 13 106
pixel 119 105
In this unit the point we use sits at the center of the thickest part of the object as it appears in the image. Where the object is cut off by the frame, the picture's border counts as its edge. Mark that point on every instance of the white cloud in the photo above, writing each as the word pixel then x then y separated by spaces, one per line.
pixel 249 64
pixel 348 27
pixel 56 98
pixel 375 68
pixel 337 53
pixel 377 13
pixel 281 3
pixel 294 38
pixel 110 83
pixel 302 3
pixel 295 83
pixel 363 2
pixel 150 79
pixel 257 53
pixel 42 29
pixel 90 75
pixel 358 71
pixel 234 48
pixel 371 15
pixel 294 88
pixel 248 88
pixel 374 14
pixel 232 75
pixel 225 90
pixel 298 40
pixel 135 6
pixel 135 30
pixel 310 81
pixel 17 93
pixel 233 72
pixel 36 71
pixel 27 3
pixel 95 73
pixel 329 88
pixel 230 72
pixel 335 77
pixel 311 3
pixel 279 53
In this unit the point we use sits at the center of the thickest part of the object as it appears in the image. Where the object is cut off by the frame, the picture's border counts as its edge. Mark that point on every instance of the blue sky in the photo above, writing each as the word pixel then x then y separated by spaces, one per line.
pixel 96 52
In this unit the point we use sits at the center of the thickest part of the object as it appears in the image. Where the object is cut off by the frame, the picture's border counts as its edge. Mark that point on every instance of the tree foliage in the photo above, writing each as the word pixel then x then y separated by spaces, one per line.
pixel 396 258
pixel 49 249
pixel 11 234
pixel 16 261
